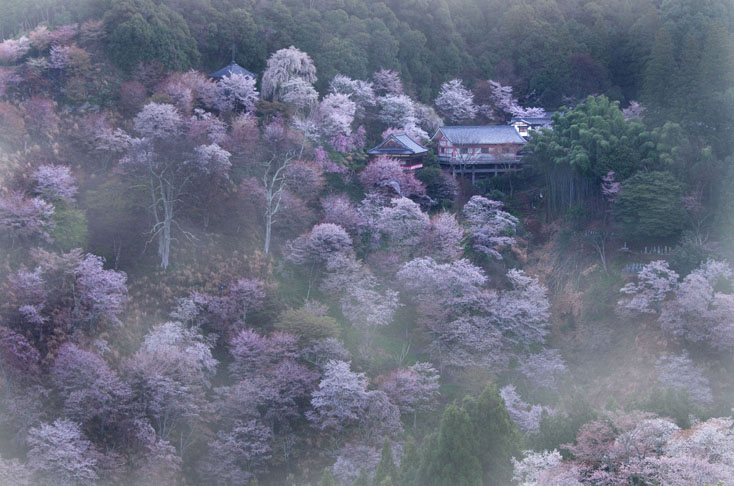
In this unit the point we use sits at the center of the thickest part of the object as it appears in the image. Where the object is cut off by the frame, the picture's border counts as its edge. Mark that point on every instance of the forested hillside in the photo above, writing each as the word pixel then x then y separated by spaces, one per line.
pixel 205 278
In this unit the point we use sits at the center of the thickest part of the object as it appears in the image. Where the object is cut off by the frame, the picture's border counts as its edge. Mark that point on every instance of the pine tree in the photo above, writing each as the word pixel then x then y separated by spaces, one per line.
pixel 450 458
pixel 497 437
pixel 386 468
pixel 327 479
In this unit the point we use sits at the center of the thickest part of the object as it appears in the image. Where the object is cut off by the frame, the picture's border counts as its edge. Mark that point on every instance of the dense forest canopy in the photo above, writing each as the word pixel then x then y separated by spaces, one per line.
pixel 207 279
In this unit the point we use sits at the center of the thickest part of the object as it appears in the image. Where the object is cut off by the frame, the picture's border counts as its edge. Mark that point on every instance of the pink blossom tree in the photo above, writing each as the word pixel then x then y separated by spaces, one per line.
pixel 403 224
pixel 60 454
pixel 387 174
pixel 13 49
pixel 654 283
pixel 396 111
pixel 543 369
pixel 22 217
pixel 169 376
pixel 526 416
pixel 336 113
pixel 456 102
pixel 91 391
pixel 504 104
pixel 168 163
pixel 413 389
pixel 54 182
pixel 341 397
pixel 237 91
pixel 444 238
pixel 283 66
pixel 359 92
pixel 491 228
pixel 387 82
pixel 678 372
pixel 237 454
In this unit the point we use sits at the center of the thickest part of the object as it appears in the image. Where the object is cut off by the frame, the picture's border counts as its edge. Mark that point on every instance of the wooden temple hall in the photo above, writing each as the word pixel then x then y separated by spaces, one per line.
pixel 402 147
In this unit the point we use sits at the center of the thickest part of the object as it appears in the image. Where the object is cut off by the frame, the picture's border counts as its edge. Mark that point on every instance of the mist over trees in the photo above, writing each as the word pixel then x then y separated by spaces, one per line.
pixel 206 279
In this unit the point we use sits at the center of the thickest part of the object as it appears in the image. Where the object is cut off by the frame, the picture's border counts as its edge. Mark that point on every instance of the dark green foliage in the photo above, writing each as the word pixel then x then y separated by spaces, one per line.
pixel 650 207
pixel 676 404
pixel 450 456
pixel 562 428
pixel 386 470
pixel 327 479
pixel 143 31
pixel 496 435
pixel 363 479
pixel 71 228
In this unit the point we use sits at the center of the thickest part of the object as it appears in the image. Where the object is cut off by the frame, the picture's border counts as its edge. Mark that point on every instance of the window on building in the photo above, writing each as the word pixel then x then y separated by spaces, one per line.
pixel 485 150
pixel 465 151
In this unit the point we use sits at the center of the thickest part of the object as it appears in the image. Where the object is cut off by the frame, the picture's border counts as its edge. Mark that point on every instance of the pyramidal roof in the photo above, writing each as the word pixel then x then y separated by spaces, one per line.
pixel 230 69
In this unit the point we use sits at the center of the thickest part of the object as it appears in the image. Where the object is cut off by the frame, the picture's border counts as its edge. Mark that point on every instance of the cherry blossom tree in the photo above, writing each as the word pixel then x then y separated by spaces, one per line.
pixel 164 158
pixel 654 283
pixel 352 460
pixel 92 392
pixel 60 455
pixel 237 91
pixel 66 293
pixel 634 110
pixel 387 82
pixel 237 454
pixel 526 416
pixel 100 294
pixel 533 466
pixel 491 228
pixel 224 312
pixel 13 49
pixel 320 245
pixel 543 369
pixel 341 397
pixel 54 182
pixel 22 217
pixel 359 92
pixel 12 471
pixel 396 110
pixel 338 209
pixel 336 112
pixel 413 389
pixel 700 312
pixel 523 312
pixel 169 376
pixel 505 104
pixel 388 174
pixel 283 66
pixel 403 224
pixel 18 358
pixel 444 238
pixel 694 309
pixel 678 372
pixel 456 102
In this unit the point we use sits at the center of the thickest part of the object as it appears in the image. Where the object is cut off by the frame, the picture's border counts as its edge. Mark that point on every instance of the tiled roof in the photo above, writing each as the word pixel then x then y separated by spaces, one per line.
pixel 406 146
pixel 230 69
pixel 481 135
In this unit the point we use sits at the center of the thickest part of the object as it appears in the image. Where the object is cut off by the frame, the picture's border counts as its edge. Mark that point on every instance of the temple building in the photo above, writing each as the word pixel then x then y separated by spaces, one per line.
pixel 479 151
pixel 402 147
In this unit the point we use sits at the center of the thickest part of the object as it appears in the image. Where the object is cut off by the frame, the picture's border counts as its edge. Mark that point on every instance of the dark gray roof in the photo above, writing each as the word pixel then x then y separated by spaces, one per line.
pixel 481 135
pixel 542 121
pixel 407 146
pixel 230 69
